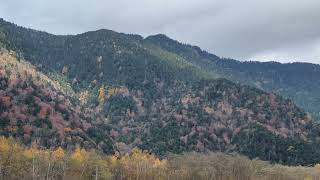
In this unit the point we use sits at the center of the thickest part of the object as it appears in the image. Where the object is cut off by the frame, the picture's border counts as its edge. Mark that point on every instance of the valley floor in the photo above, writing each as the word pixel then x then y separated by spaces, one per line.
pixel 17 162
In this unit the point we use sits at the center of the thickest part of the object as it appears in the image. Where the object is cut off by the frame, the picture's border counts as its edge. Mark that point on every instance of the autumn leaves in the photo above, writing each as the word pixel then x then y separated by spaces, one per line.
pixel 17 162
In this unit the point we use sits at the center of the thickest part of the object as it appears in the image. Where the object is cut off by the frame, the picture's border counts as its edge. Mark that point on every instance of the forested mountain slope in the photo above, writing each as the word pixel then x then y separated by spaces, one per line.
pixel 133 92
pixel 37 110
pixel 297 81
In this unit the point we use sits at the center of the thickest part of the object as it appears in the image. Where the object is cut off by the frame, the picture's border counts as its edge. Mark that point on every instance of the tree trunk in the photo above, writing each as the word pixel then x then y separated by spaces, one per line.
pixel 96 172
pixel 48 170
pixel 33 168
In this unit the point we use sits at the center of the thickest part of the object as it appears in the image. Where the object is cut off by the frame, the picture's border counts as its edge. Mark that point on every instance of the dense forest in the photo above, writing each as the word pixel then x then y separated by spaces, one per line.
pixel 111 93
pixel 208 115
pixel 297 81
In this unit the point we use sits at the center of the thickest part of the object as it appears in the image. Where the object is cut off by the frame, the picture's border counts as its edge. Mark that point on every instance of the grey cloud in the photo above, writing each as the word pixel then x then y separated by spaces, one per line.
pixel 283 30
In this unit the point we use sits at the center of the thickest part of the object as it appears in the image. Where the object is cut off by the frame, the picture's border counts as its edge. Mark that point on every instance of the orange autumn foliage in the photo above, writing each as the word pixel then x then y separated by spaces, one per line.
pixel 58 153
pixel 17 162
pixel 79 155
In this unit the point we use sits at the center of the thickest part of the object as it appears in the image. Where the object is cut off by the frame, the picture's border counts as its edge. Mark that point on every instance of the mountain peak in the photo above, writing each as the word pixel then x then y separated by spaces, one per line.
pixel 158 94
pixel 159 36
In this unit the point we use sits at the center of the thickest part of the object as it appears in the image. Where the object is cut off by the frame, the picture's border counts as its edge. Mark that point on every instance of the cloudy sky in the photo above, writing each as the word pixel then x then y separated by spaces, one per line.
pixel 265 30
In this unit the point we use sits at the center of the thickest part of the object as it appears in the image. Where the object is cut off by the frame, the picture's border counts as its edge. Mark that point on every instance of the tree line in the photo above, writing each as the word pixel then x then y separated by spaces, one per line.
pixel 18 162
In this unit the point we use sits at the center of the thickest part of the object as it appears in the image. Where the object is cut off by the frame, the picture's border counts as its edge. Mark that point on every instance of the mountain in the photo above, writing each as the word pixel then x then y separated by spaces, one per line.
pixel 123 91
pixel 37 110
pixel 297 81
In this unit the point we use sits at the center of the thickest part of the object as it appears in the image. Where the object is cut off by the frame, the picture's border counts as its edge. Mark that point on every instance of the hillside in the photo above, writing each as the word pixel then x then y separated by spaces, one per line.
pixel 121 91
pixel 297 81
pixel 37 110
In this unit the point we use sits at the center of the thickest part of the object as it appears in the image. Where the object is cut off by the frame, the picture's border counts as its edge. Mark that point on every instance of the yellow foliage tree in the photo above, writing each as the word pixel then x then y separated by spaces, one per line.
pixel 13 163
pixel 4 145
pixel 30 153
pixel 79 155
pixel 83 97
pixel 140 165
pixel 58 153
pixel 114 91
pixel 102 95
pixel 18 162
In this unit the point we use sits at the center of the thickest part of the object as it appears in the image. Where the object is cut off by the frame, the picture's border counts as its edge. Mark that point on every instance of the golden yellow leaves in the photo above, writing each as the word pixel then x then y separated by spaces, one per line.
pixel 27 163
pixel 83 97
pixel 4 145
pixel 58 153
pixel 101 95
pixel 79 155
pixel 29 153
pixel 117 90
pixel 139 165
pixel 104 92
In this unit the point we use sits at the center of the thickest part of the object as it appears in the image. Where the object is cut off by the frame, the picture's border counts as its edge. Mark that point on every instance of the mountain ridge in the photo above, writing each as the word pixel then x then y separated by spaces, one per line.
pixel 165 97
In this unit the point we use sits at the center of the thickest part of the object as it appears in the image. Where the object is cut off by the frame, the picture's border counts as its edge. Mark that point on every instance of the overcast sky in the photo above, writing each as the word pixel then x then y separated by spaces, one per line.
pixel 264 30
